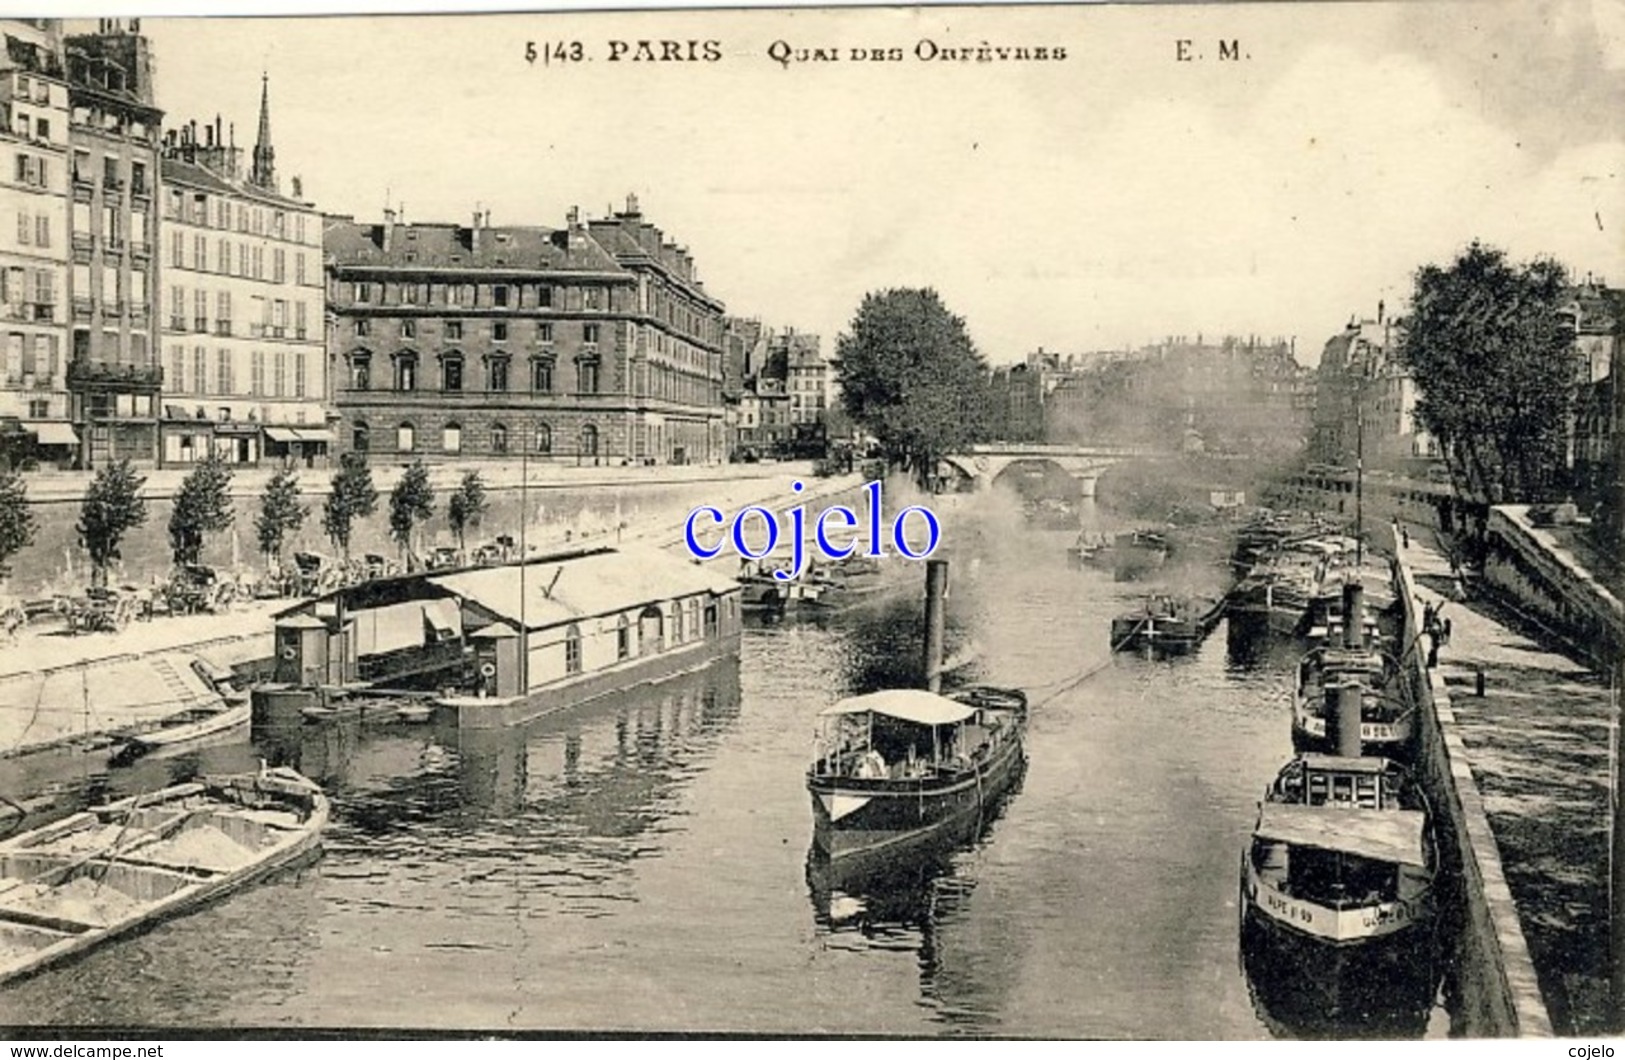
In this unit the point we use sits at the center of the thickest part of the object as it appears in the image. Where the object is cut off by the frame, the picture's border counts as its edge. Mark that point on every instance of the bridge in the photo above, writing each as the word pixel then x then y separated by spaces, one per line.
pixel 985 464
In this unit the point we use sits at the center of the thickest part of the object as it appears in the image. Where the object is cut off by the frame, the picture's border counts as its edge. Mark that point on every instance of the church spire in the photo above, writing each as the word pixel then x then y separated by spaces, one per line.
pixel 263 172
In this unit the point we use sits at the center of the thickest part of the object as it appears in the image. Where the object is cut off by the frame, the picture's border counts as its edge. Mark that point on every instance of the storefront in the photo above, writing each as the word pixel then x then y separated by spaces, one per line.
pixel 297 446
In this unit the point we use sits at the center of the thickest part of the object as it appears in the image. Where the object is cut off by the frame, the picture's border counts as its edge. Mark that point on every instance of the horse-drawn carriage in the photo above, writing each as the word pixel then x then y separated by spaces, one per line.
pixel 100 610
pixel 194 588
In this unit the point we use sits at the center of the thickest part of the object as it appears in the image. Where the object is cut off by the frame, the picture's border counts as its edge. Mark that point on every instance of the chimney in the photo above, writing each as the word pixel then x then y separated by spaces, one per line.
pixel 298 188
pixel 1343 726
pixel 474 233
pixel 219 132
pixel 632 205
pixel 1380 310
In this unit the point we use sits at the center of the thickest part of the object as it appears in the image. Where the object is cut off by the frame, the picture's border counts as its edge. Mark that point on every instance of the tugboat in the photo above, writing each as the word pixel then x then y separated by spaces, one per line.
pixel 1337 894
pixel 1172 623
pixel 1137 553
pixel 1088 547
pixel 903 766
pixel 1354 674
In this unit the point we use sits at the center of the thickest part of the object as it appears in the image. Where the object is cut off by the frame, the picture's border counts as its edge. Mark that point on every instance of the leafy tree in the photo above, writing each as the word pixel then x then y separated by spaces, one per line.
pixel 112 506
pixel 411 502
pixel 203 506
pixel 281 514
pixel 1494 359
pixel 16 520
pixel 912 377
pixel 353 497
pixel 467 506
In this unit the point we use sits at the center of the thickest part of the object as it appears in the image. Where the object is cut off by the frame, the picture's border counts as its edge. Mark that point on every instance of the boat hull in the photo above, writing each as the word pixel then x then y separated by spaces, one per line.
pixel 123 864
pixel 854 818
pixel 1384 983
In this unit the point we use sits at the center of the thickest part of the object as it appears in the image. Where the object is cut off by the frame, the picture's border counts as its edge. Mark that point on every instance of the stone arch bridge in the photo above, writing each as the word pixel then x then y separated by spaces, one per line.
pixel 984 465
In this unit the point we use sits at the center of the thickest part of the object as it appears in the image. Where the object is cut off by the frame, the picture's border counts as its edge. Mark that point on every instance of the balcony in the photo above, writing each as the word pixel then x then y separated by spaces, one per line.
pixel 141 249
pixel 177 323
pixel 141 191
pixel 101 375
pixel 138 313
pixel 84 241
pixel 81 308
pixel 115 244
pixel 40 312
pixel 222 328
pixel 200 325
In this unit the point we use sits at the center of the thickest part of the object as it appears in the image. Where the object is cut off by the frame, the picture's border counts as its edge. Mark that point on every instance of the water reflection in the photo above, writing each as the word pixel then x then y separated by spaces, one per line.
pixel 913 900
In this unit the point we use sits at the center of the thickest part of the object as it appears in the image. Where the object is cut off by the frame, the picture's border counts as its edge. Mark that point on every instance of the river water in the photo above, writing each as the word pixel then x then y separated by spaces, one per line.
pixel 642 864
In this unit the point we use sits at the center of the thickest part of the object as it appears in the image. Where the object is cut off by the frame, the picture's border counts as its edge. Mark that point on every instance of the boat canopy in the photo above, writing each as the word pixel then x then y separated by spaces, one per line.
pixel 905 704
pixel 1394 836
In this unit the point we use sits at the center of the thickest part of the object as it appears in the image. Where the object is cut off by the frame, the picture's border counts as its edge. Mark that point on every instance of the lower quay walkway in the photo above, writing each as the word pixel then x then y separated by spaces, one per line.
pixel 1538 741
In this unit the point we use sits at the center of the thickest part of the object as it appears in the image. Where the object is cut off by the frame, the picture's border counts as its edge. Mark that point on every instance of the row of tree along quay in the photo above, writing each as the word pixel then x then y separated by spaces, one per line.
pixel 113 506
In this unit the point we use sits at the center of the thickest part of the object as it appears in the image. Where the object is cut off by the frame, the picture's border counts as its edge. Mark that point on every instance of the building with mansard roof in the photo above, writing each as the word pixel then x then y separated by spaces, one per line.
pixel 244 349
pixel 594 343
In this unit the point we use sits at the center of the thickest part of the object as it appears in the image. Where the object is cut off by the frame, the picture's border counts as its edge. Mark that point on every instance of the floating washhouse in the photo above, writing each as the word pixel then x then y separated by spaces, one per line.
pixel 496 646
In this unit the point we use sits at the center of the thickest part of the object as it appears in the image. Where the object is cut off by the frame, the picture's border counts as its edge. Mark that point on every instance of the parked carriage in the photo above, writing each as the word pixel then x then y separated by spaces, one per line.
pixel 100 610
pixel 194 588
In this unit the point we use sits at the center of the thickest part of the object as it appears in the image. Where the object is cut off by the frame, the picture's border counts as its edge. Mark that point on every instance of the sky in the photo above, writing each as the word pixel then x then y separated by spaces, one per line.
pixel 1104 200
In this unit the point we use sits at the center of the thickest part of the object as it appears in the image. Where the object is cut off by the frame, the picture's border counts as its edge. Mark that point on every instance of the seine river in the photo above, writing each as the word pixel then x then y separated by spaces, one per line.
pixel 642 864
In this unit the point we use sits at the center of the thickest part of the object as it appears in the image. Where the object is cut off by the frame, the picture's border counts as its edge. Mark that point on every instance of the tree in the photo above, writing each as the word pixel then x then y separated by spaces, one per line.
pixel 912 377
pixel 112 507
pixel 16 519
pixel 281 514
pixel 353 497
pixel 467 506
pixel 1493 357
pixel 202 507
pixel 411 502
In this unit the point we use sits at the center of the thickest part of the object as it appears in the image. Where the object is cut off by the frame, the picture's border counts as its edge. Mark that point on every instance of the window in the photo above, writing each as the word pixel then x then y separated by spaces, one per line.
pixel 587 374
pixel 451 437
pixel 242 259
pixel 138 178
pixel 499 295
pixel 406 371
pixel 541 376
pixel 200 370
pixel 298 375
pixel 360 436
pixel 544 439
pixel 694 619
pixel 623 638
pixel 200 310
pixel 363 327
pixel 222 371
pixel 25 227
pixel 454 329
pixel 544 333
pixel 544 297
pixel 451 373
pixel 499 438
pixel 572 649
pixel 279 374
pixel 409 329
pixel 222 312
pixel 279 266
pixel 361 371
pixel 299 267
pixel 200 253
pixel 589 440
pixel 499 331
pixel 589 334
pixel 301 324
pixel 405 438
pixel 176 383
pixel 496 374
pixel 256 373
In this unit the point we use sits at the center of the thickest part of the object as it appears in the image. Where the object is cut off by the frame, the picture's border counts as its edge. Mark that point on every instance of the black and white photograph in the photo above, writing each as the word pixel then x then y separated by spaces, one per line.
pixel 1093 521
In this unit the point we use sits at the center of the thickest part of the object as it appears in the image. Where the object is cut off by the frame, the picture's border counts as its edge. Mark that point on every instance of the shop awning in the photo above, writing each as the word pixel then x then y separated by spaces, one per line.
pixel 298 434
pixel 52 432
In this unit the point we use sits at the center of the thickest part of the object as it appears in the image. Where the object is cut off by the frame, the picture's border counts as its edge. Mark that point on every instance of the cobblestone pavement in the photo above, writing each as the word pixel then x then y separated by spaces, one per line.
pixel 1538 742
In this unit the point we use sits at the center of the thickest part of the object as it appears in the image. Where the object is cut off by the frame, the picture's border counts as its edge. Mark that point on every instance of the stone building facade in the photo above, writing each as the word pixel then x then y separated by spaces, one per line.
pixel 114 378
pixel 244 349
pixel 591 344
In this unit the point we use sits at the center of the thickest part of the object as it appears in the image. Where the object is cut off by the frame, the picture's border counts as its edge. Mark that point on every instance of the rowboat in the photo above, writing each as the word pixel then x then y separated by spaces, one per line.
pixel 87 879
pixel 901 766
pixel 1337 890
pixel 186 731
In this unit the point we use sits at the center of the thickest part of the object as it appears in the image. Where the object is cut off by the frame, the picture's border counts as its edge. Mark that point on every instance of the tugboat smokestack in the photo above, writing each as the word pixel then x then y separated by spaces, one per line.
pixel 936 591
pixel 1353 615
pixel 1345 721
